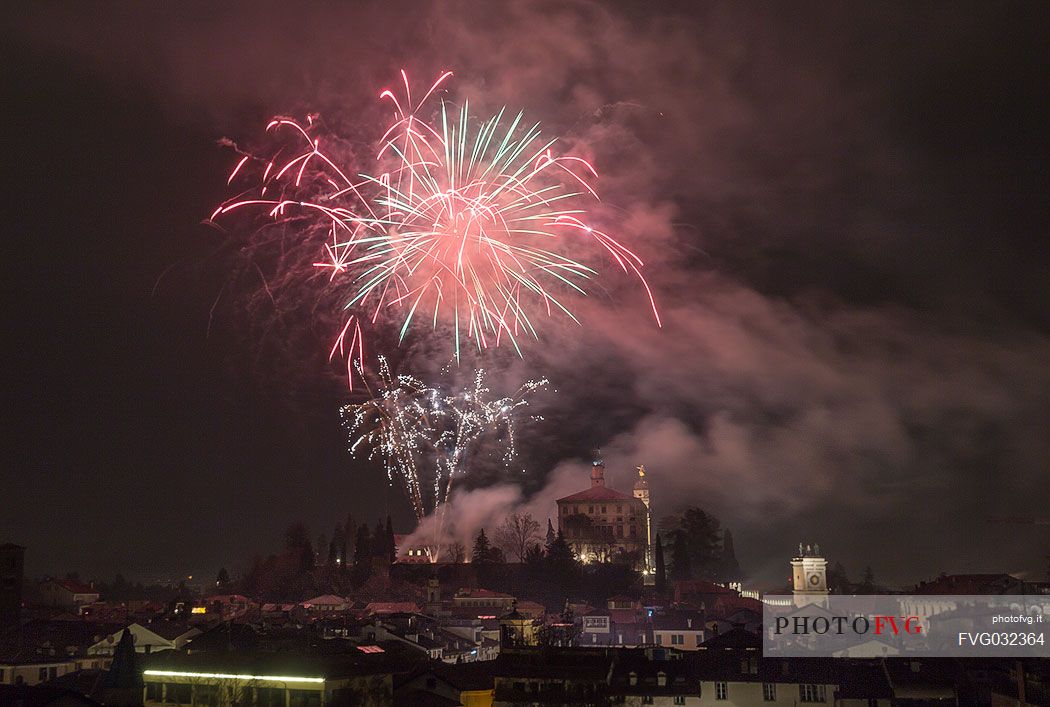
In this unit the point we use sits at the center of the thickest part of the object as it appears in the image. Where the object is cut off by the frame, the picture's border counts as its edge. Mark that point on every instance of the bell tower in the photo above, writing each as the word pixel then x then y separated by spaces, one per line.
pixel 809 575
pixel 597 473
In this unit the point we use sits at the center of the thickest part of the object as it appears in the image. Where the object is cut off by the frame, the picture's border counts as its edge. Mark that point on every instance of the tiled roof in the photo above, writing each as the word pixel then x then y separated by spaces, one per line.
pixel 736 638
pixel 468 676
pixel 75 587
pixel 391 607
pixel 331 659
pixel 422 698
pixel 325 600
pixel 679 620
pixel 598 493
pixel 169 629
pixel 729 604
pixel 624 616
pixel 41 696
pixel 51 639
pixel 531 608
pixel 481 594
pixel 969 584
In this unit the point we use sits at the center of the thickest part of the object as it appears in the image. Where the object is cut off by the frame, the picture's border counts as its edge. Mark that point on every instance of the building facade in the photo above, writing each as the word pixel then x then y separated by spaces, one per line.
pixel 603 524
pixel 67 593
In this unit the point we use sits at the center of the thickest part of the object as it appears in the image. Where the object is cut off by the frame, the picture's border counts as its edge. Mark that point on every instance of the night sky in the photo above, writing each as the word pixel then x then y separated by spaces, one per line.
pixel 843 210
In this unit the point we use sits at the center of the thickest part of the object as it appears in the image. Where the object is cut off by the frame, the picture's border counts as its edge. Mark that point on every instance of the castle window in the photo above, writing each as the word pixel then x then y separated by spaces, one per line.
pixel 619 508
pixel 812 693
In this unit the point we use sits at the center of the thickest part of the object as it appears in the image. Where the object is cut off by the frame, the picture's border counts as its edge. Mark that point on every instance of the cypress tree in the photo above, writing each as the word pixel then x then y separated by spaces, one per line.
pixel 335 546
pixel 363 547
pixel 379 540
pixel 680 565
pixel 661 570
pixel 349 535
pixel 362 555
pixel 482 551
pixel 391 546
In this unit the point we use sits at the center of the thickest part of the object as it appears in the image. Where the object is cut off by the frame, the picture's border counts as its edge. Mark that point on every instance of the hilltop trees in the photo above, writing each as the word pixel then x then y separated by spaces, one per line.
pixel 681 562
pixel 516 534
pixel 483 552
pixel 700 548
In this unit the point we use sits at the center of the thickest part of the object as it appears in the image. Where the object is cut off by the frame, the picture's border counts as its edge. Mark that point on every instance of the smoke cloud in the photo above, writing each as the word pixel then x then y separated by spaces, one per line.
pixel 855 347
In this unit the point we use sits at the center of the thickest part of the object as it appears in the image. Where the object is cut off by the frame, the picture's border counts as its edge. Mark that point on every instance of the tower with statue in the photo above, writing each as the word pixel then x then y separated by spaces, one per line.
pixel 605 525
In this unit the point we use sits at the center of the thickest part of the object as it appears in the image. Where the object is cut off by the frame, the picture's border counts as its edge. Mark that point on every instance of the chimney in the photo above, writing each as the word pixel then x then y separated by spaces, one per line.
pixel 598 474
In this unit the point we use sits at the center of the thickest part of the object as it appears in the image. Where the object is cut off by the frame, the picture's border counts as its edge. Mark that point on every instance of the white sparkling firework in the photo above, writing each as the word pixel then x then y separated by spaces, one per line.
pixel 426 437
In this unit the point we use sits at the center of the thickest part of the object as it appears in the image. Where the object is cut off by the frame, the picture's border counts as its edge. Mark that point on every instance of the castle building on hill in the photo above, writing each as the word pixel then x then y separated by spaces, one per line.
pixel 603 524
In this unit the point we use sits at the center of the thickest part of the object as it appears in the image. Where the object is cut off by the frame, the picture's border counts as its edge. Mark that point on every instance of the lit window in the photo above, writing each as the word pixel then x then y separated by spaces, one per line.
pixel 721 691
pixel 769 692
pixel 812 693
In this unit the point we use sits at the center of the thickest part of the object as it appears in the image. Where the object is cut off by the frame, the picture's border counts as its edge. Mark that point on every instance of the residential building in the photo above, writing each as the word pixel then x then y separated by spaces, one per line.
pixel 682 629
pixel 483 599
pixel 67 593
pixel 41 650
pixel 732 671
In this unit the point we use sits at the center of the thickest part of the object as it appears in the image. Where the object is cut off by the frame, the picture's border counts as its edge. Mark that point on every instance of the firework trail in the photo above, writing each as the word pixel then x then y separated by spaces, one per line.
pixel 467 226
pixel 394 424
pixel 426 438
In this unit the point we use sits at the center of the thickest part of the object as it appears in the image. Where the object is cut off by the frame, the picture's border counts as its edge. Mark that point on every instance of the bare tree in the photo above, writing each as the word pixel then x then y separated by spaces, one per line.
pixel 516 533
pixel 457 553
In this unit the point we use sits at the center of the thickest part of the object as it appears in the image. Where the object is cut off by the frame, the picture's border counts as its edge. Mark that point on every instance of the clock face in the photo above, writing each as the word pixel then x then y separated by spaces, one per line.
pixel 814 579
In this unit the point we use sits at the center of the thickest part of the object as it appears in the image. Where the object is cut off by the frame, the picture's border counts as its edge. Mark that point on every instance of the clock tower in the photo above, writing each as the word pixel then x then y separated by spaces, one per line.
pixel 809 574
